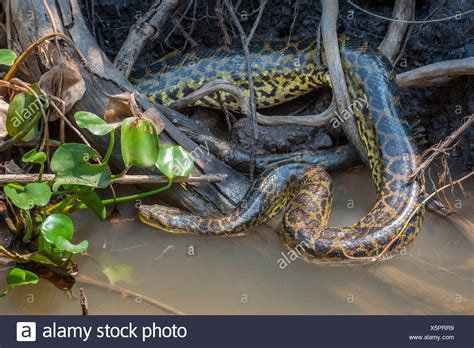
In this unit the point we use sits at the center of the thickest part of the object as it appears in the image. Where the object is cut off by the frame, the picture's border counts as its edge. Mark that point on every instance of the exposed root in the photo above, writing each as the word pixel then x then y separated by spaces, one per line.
pixel 390 46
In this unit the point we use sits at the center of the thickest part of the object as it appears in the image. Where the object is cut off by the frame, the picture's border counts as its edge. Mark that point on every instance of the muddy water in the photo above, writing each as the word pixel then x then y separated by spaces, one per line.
pixel 241 275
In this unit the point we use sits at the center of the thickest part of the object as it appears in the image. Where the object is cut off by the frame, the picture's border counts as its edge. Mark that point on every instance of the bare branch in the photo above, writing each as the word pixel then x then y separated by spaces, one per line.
pixel 123 180
pixel 245 40
pixel 390 46
pixel 442 147
pixel 143 30
pixel 436 73
pixel 331 49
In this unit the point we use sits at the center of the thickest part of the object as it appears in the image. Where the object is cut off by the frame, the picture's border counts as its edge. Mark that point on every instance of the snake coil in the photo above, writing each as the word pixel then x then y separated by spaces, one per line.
pixel 303 190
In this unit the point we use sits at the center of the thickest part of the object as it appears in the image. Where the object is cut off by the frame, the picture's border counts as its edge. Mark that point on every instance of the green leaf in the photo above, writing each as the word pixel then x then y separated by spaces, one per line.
pixel 119 273
pixel 94 123
pixel 71 164
pixel 44 259
pixel 7 57
pixel 57 225
pixel 65 245
pixel 34 156
pixel 92 201
pixel 174 161
pixel 139 143
pixel 23 109
pixel 34 194
pixel 18 276
pixel 58 230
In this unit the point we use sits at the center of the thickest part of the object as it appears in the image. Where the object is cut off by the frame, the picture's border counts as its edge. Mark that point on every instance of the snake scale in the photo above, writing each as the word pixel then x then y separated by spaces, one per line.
pixel 281 73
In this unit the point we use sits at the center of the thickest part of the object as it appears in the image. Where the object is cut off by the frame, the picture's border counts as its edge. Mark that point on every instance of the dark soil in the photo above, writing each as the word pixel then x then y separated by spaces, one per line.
pixel 439 110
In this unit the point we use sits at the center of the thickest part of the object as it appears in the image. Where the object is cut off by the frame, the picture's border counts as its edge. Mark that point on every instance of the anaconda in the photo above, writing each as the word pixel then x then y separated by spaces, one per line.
pixel 303 190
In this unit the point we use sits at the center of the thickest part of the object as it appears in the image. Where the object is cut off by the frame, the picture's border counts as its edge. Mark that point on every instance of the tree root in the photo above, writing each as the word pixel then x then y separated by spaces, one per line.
pixel 436 73
pixel 390 46
pixel 341 95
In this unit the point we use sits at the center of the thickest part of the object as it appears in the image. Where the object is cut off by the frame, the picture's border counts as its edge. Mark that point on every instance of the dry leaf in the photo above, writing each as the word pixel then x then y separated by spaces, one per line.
pixel 64 81
pixel 3 118
pixel 118 108
pixel 155 116
pixel 124 105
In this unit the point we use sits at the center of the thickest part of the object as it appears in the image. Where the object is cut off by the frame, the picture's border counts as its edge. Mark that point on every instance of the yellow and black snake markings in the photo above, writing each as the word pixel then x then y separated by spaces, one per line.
pixel 303 190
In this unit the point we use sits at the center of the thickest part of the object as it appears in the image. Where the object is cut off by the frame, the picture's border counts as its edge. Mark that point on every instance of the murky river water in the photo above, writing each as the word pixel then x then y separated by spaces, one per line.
pixel 241 275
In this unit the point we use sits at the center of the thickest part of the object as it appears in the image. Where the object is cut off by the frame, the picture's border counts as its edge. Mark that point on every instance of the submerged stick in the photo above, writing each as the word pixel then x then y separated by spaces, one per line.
pixel 83 302
pixel 413 287
pixel 128 293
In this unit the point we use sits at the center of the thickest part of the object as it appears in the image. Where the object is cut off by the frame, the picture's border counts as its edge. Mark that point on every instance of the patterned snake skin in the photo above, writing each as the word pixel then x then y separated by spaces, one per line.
pixel 304 191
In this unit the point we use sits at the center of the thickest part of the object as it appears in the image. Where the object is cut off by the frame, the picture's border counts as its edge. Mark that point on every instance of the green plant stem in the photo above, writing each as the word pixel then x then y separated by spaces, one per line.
pixel 60 193
pixel 61 206
pixel 114 177
pixel 107 202
pixel 17 187
pixel 111 147
pixel 29 226
pixel 40 175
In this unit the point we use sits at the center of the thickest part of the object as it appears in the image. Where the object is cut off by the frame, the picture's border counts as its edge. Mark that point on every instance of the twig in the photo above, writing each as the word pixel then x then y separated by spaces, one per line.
pixel 390 46
pixel 220 18
pixel 245 40
pixel 143 30
pixel 191 30
pixel 179 21
pixel 212 87
pixel 436 73
pixel 124 180
pixel 341 94
pixel 42 39
pixel 409 21
pixel 293 22
pixel 92 19
pixel 53 26
pixel 66 120
pixel 410 30
pixel 128 293
pixel 83 302
pixel 443 146
pixel 317 120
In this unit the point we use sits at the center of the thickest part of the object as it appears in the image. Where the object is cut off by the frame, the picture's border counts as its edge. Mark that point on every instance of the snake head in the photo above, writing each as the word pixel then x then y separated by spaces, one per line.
pixel 165 218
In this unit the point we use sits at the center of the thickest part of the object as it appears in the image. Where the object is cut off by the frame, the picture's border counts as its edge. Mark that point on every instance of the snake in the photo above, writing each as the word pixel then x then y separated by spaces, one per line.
pixel 303 191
